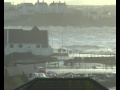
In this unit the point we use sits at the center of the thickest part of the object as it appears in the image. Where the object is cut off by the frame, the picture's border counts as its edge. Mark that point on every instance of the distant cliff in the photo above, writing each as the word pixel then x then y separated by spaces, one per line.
pixel 60 20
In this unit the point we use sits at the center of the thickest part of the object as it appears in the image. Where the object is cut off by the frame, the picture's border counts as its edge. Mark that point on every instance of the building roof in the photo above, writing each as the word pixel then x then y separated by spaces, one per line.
pixel 7 4
pixel 28 4
pixel 25 4
pixel 41 3
pixel 83 83
pixel 33 36
pixel 60 4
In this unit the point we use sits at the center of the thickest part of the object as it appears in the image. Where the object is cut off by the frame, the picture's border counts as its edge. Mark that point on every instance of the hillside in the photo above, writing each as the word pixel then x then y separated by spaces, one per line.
pixel 60 20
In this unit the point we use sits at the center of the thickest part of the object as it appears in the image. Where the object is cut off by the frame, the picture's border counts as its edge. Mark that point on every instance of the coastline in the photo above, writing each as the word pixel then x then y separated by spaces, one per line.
pixel 60 20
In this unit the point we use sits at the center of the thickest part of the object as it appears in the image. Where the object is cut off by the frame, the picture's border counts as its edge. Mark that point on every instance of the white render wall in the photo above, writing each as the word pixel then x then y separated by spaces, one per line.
pixel 26 10
pixel 58 9
pixel 41 8
pixel 25 48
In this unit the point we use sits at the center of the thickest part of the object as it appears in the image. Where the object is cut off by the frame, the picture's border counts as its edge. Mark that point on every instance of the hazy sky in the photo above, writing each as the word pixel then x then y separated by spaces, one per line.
pixel 69 2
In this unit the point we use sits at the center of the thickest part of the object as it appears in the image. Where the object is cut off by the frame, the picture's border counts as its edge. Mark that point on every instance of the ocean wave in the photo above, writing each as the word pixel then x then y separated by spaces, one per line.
pixel 91 49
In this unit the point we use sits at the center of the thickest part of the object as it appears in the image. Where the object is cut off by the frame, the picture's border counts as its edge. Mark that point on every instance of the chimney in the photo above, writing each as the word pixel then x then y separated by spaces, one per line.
pixel 53 1
pixel 59 1
pixel 38 1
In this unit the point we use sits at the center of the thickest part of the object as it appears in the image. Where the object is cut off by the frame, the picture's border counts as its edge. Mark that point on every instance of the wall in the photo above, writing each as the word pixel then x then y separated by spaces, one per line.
pixel 25 48
pixel 26 68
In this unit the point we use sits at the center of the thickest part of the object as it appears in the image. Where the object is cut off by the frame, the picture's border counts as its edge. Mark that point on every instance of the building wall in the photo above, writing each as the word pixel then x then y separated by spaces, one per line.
pixel 41 8
pixel 26 10
pixel 26 68
pixel 58 9
pixel 28 48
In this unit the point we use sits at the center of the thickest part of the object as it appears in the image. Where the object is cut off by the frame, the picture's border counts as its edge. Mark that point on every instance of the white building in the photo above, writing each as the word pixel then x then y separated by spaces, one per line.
pixel 34 41
pixel 11 13
pixel 41 7
pixel 26 9
pixel 58 7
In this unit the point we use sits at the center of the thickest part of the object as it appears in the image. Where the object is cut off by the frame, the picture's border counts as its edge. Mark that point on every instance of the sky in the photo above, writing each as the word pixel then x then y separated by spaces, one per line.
pixel 69 2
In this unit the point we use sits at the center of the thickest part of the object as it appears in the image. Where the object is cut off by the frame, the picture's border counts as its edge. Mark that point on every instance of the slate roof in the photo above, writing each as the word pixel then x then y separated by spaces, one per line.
pixel 42 3
pixel 28 4
pixel 27 36
pixel 62 84
pixel 60 4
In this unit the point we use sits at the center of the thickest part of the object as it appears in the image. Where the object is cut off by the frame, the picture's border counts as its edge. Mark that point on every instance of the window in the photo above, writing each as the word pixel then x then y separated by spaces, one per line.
pixel 37 46
pixel 20 45
pixel 11 45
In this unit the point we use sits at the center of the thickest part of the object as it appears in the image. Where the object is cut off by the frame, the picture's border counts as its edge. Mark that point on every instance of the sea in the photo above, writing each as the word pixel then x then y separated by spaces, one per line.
pixel 84 40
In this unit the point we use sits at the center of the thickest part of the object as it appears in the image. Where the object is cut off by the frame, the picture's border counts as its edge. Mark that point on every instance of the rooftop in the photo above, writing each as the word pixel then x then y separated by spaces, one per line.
pixel 34 36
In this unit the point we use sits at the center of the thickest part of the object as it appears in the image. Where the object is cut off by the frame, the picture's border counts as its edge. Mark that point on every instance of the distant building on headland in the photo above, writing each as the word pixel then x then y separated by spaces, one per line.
pixel 26 9
pixel 58 7
pixel 11 13
pixel 97 15
pixel 54 7
pixel 41 7
pixel 33 41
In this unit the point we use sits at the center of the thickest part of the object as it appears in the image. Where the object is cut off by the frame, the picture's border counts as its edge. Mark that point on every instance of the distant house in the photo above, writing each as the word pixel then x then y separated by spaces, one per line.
pixel 41 7
pixel 7 5
pixel 26 9
pixel 105 14
pixel 93 14
pixel 22 41
pixel 58 7
pixel 11 13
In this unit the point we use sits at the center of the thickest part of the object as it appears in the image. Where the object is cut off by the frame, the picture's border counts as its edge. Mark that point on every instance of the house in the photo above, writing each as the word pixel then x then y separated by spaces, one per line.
pixel 41 7
pixel 34 41
pixel 11 13
pixel 58 7
pixel 26 9
pixel 7 5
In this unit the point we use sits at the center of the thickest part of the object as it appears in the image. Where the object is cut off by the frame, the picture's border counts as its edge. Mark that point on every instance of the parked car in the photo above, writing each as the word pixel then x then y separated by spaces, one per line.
pixel 38 75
